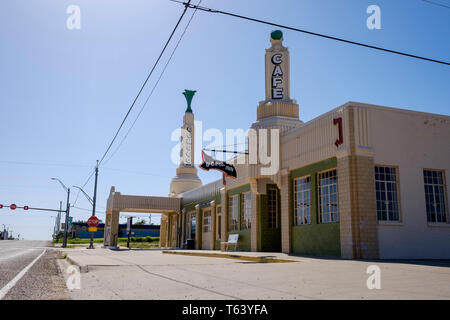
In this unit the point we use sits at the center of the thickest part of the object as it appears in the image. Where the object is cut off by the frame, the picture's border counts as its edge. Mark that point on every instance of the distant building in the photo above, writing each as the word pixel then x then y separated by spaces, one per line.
pixel 80 230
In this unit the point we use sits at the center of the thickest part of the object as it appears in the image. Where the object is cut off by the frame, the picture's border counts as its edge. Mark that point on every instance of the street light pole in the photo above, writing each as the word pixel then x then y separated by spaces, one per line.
pixel 91 245
pixel 58 228
pixel 66 226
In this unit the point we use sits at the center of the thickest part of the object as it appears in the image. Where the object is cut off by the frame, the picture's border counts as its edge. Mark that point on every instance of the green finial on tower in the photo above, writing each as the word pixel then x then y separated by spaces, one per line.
pixel 276 35
pixel 189 94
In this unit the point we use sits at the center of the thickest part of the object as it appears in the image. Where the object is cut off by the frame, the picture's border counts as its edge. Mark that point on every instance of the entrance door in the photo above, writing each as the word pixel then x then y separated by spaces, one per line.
pixel 272 220
pixel 207 230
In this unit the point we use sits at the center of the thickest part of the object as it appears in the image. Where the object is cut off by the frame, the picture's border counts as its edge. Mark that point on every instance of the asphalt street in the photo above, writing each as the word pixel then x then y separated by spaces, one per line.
pixel 21 279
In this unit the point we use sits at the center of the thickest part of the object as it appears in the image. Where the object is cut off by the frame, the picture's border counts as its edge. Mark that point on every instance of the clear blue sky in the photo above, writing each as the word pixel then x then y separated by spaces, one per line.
pixel 63 93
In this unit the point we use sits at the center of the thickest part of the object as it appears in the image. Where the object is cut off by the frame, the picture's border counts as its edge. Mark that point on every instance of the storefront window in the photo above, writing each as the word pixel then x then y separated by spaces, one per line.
pixel 328 196
pixel 435 193
pixel 386 193
pixel 207 221
pixel 302 201
pixel 247 210
pixel 234 212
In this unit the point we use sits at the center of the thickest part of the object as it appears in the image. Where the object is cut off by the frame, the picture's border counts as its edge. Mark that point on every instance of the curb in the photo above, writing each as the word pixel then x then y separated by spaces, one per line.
pixel 231 256
pixel 83 268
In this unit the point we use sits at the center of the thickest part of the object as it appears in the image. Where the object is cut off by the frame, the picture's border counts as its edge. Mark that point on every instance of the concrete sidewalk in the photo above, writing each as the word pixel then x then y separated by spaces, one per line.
pixel 152 274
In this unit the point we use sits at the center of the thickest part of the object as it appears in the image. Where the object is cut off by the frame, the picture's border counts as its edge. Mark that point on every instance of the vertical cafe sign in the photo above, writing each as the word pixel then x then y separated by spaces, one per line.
pixel 188 146
pixel 277 68
pixel 277 76
pixel 187 157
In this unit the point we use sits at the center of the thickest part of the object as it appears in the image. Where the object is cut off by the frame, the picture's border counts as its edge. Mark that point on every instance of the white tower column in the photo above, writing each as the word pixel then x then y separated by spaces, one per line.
pixel 186 178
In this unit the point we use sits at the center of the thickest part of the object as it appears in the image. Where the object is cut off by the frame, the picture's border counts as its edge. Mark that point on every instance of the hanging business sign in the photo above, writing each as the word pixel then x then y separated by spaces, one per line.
pixel 210 163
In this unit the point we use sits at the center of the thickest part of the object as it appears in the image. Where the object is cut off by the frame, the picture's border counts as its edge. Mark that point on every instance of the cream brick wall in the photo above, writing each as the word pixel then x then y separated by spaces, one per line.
pixel 255 245
pixel 286 216
pixel 357 206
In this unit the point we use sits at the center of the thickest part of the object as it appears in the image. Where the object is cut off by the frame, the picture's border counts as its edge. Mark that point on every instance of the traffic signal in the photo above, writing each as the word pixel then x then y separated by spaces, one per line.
pixel 1 206
pixel 13 207
pixel 25 207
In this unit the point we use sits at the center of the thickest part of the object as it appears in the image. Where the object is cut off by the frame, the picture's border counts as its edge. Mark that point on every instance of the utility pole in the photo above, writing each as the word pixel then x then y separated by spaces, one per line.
pixel 58 228
pixel 57 221
pixel 66 225
pixel 91 245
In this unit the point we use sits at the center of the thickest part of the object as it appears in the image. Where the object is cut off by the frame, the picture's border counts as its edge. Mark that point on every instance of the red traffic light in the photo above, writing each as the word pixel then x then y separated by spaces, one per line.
pixel 13 207
pixel 1 206
pixel 25 207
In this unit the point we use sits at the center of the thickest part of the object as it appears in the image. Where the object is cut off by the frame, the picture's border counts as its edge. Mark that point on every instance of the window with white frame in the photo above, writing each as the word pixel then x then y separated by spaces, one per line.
pixel 302 201
pixel 435 195
pixel 386 189
pixel 328 196
pixel 234 213
pixel 207 221
pixel 246 210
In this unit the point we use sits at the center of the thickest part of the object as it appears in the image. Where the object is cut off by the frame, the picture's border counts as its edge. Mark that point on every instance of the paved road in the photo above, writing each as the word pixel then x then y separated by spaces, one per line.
pixel 20 280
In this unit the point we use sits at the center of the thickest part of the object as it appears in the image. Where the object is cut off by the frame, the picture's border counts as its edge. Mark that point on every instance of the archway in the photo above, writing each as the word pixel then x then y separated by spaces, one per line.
pixel 168 206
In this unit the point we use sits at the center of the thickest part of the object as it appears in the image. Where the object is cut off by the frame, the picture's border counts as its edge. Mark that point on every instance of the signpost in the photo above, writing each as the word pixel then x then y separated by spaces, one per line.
pixel 129 224
pixel 92 223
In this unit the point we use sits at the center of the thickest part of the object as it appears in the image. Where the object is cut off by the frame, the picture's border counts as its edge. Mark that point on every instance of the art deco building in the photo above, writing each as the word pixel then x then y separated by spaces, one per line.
pixel 360 181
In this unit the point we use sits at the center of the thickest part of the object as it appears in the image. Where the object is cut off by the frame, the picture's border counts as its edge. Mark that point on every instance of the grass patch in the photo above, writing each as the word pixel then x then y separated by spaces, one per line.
pixel 120 240
pixel 142 245
pixel 63 256
pixel 140 242
pixel 79 241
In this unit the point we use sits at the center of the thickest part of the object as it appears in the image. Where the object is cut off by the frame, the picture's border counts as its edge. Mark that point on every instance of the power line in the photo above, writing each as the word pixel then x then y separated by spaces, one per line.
pixel 145 82
pixel 87 181
pixel 436 4
pixel 209 10
pixel 154 87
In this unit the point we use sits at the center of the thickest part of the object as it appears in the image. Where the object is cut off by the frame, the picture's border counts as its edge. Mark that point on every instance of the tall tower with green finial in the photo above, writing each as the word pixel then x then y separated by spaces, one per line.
pixel 186 178
pixel 278 110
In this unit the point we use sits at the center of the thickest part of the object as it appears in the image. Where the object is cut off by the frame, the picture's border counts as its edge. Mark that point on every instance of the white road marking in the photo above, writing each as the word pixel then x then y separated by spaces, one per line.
pixel 19 276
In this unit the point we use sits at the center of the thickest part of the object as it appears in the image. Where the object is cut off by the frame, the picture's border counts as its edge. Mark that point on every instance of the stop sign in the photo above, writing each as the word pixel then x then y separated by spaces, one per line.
pixel 93 221
pixel 13 207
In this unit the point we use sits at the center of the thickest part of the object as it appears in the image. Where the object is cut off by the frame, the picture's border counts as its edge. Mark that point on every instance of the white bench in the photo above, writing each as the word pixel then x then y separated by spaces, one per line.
pixel 232 239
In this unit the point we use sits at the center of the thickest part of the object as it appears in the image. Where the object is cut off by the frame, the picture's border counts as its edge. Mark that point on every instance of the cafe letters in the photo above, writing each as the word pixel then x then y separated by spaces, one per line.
pixel 277 77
